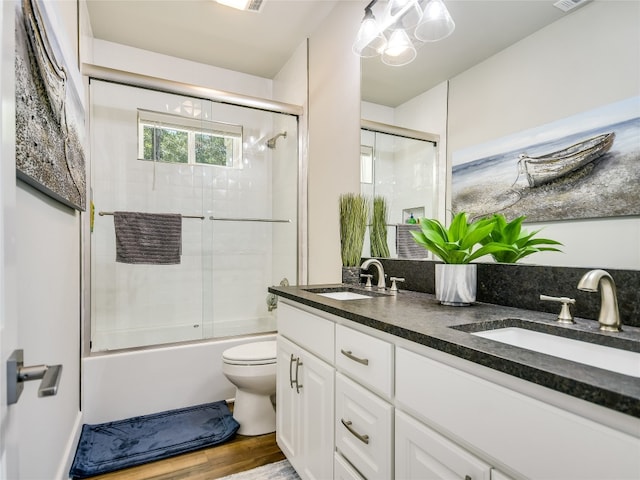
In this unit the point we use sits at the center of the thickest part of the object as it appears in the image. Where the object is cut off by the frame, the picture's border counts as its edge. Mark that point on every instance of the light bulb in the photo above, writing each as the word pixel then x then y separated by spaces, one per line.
pixel 436 22
pixel 370 41
pixel 399 50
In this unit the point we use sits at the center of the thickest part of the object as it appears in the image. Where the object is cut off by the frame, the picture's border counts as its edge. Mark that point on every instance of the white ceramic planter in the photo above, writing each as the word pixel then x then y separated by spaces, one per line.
pixel 456 285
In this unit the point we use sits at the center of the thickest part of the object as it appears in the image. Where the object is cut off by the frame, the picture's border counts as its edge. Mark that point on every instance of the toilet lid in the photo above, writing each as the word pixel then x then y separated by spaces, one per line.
pixel 257 353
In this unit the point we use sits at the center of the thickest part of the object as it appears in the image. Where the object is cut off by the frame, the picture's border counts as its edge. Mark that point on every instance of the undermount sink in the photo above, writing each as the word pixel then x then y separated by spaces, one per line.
pixel 609 358
pixel 344 293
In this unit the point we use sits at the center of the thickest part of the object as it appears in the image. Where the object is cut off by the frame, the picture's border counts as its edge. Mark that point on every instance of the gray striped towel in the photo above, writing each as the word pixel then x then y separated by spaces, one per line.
pixel 151 238
pixel 406 247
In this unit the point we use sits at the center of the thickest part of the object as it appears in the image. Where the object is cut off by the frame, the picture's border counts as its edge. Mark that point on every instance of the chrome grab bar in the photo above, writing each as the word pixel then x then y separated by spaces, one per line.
pixel 347 424
pixel 349 354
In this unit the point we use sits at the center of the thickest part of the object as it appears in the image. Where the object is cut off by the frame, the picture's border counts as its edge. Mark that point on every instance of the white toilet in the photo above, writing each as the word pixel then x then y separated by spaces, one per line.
pixel 252 369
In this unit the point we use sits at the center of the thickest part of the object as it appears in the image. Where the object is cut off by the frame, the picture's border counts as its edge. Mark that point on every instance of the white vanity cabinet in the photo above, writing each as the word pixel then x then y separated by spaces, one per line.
pixel 527 436
pixel 305 393
pixel 357 403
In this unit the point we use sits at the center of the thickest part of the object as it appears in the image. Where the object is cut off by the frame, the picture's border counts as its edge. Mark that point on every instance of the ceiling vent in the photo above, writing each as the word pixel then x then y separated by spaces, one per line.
pixel 566 5
pixel 255 5
pixel 246 5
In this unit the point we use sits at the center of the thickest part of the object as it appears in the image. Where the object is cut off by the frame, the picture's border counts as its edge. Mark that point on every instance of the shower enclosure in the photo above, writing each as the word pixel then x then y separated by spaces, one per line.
pixel 232 173
pixel 400 165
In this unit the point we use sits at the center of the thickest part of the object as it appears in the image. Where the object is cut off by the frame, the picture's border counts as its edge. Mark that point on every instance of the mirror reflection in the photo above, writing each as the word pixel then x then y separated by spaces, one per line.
pixel 399 166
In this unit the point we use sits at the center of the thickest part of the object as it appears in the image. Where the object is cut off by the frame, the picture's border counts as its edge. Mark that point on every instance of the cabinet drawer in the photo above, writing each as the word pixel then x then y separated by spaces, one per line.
pixel 422 453
pixel 366 359
pixel 364 429
pixel 314 333
pixel 343 471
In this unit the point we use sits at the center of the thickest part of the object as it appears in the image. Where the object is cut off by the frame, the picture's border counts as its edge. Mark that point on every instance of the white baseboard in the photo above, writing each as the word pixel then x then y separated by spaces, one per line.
pixel 70 449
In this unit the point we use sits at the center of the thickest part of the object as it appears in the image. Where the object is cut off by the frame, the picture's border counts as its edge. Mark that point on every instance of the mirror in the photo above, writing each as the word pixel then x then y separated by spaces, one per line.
pixel 399 165
pixel 513 91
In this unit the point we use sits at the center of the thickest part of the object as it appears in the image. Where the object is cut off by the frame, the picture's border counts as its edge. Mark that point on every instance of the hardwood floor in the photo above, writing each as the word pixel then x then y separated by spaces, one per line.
pixel 237 455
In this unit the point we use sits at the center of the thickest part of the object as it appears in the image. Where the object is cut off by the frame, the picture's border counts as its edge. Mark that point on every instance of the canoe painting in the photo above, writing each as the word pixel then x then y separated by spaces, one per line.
pixel 543 169
pixel 578 167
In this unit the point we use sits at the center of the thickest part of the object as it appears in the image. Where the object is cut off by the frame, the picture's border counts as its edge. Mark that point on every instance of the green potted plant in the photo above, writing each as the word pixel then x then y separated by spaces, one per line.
pixel 523 243
pixel 457 247
pixel 378 231
pixel 354 212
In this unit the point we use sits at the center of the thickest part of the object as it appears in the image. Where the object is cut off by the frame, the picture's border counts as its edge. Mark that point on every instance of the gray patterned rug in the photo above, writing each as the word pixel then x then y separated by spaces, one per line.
pixel 273 471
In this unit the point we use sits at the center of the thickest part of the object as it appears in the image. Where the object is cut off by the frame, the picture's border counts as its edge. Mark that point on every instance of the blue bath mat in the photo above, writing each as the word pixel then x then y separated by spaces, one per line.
pixel 115 445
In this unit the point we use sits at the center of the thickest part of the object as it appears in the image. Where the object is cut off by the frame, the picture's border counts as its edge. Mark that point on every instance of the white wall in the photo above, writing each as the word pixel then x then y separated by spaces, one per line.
pixel 290 86
pixel 334 135
pixel 143 62
pixel 588 59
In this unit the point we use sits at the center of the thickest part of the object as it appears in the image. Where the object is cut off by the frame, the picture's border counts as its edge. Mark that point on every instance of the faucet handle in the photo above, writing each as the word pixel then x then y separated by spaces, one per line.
pixel 565 313
pixel 368 276
pixel 394 287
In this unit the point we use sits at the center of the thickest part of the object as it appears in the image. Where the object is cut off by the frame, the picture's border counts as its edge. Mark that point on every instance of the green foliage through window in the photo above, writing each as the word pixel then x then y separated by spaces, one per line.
pixel 213 150
pixel 166 145
pixel 175 139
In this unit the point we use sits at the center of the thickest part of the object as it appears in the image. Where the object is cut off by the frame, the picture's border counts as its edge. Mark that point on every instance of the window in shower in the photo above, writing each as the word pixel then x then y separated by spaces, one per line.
pixel 239 226
pixel 177 139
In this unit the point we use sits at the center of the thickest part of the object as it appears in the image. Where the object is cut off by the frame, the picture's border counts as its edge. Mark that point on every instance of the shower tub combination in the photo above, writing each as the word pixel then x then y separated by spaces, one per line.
pixel 232 173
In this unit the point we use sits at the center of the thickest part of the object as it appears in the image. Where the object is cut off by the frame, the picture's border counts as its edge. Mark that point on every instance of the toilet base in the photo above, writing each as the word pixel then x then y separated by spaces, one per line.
pixel 256 414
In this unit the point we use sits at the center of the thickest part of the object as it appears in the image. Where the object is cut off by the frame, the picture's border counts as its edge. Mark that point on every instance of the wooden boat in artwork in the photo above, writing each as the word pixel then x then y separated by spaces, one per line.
pixel 546 168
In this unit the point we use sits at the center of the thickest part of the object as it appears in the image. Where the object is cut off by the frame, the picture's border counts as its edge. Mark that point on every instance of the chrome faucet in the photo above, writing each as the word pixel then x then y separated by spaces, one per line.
pixel 374 261
pixel 609 318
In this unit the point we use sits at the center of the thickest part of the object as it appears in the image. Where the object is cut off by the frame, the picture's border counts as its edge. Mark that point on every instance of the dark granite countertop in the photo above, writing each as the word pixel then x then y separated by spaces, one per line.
pixel 420 318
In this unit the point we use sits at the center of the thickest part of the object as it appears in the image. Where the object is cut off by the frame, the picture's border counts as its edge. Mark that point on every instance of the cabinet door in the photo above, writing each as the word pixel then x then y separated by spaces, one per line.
pixel 288 421
pixel 316 385
pixel 364 429
pixel 423 454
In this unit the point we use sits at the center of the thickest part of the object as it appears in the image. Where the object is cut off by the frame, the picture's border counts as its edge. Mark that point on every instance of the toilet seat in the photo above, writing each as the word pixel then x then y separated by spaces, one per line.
pixel 257 353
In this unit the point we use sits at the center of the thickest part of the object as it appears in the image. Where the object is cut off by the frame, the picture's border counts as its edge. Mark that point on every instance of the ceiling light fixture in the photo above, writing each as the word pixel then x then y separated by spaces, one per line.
pixel 404 26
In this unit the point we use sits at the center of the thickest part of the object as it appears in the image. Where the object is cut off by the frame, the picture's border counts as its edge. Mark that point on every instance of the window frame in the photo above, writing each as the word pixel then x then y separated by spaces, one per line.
pixel 193 126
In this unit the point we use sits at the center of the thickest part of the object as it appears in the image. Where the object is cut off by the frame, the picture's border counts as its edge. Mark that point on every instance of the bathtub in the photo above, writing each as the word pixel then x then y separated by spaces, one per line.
pixel 118 385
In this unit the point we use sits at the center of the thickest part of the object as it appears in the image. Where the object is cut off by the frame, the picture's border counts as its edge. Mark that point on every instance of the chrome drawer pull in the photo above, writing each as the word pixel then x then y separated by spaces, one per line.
pixel 363 438
pixel 298 386
pixel 290 371
pixel 349 354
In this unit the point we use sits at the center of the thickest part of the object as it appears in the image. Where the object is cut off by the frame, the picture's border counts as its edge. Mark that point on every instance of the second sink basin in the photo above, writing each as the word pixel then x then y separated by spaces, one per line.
pixel 601 356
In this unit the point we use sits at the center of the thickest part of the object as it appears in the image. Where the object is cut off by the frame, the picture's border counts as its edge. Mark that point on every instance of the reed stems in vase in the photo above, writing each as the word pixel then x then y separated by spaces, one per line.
pixel 354 212
pixel 378 232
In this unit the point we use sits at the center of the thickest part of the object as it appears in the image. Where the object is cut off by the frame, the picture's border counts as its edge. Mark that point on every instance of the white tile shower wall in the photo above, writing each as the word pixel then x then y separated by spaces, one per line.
pixel 135 298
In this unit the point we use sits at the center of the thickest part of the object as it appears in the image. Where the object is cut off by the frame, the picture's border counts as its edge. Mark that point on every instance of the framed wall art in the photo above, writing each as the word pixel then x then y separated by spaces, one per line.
pixel 49 111
pixel 584 166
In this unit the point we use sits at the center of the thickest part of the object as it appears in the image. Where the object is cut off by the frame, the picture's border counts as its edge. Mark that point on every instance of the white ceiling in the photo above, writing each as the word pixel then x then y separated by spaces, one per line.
pixel 261 43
